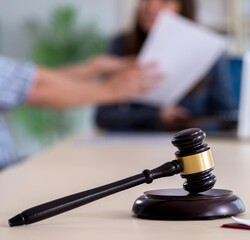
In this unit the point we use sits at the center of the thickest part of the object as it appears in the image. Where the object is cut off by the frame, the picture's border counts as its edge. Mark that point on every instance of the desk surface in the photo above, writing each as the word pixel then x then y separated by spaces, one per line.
pixel 79 164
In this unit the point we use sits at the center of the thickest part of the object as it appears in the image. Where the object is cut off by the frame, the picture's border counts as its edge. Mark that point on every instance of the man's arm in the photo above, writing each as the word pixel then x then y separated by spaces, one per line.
pixel 55 89
pixel 98 66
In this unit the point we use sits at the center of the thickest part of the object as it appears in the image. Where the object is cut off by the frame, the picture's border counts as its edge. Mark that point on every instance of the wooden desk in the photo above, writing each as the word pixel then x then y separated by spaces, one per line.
pixel 73 166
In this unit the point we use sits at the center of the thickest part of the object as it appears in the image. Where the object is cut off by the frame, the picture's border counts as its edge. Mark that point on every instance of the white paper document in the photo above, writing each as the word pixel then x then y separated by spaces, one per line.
pixel 184 52
pixel 243 129
pixel 242 221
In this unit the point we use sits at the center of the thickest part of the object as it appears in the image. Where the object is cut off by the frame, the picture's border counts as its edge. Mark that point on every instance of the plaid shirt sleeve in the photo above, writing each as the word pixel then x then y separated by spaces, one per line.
pixel 15 82
pixel 8 152
pixel 16 79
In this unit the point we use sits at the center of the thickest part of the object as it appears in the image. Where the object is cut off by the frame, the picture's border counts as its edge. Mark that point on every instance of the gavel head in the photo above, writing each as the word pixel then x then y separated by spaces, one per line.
pixel 196 160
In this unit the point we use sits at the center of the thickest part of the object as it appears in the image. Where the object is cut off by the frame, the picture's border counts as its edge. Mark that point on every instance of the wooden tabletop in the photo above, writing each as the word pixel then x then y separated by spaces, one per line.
pixel 80 163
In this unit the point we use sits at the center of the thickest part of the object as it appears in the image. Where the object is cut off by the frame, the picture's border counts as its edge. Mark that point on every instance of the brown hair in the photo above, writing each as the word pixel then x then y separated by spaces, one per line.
pixel 135 39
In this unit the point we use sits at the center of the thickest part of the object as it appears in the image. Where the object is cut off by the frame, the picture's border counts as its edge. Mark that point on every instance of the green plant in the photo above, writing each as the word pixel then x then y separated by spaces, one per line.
pixel 59 42
pixel 62 41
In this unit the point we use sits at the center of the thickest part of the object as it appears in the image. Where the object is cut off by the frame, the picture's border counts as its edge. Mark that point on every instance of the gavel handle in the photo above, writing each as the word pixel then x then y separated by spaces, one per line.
pixel 70 202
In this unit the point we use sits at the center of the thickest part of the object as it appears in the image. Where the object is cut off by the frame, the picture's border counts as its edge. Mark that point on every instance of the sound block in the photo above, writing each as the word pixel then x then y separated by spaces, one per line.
pixel 177 204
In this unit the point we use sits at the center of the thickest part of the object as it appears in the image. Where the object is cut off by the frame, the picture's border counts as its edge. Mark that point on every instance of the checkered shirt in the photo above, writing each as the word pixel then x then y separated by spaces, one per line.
pixel 15 81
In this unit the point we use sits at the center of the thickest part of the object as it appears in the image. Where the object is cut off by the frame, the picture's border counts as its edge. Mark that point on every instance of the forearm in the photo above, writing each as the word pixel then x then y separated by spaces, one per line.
pixel 55 90
pixel 84 71
pixel 98 66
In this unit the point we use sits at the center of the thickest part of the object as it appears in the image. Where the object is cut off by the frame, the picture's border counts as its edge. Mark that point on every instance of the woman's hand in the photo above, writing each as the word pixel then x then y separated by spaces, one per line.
pixel 106 64
pixel 175 117
pixel 132 81
pixel 98 66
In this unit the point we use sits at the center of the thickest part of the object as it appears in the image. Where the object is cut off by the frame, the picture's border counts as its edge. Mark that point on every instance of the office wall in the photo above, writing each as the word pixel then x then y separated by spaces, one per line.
pixel 231 17
pixel 110 15
pixel 14 38
pixel 127 12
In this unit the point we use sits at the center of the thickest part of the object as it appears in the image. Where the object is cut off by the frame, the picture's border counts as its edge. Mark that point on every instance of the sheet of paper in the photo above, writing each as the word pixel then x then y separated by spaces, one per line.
pixel 184 52
pixel 242 221
pixel 243 130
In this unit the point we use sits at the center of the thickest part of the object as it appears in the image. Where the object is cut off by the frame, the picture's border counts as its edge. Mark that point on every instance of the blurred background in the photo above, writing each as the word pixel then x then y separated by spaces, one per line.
pixel 55 32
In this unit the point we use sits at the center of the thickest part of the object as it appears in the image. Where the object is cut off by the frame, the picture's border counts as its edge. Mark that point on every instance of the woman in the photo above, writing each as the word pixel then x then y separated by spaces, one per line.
pixel 203 100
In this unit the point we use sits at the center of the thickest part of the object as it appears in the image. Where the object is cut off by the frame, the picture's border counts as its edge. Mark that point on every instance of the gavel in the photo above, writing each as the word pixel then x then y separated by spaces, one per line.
pixel 193 161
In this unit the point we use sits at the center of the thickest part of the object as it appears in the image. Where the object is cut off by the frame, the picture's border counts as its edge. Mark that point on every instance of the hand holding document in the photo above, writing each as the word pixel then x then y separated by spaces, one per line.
pixel 184 52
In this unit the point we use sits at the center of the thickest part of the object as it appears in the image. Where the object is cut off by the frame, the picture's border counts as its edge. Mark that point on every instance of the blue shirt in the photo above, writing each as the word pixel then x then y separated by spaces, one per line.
pixel 16 79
